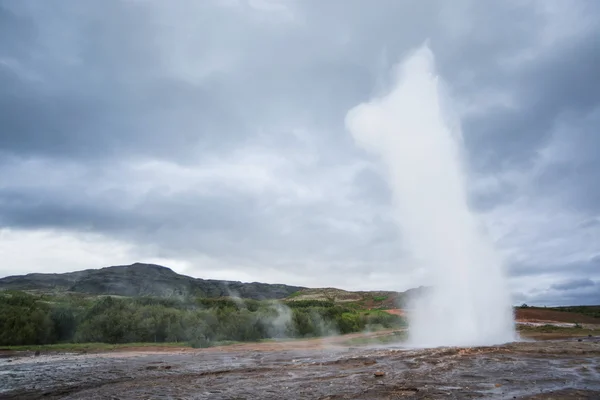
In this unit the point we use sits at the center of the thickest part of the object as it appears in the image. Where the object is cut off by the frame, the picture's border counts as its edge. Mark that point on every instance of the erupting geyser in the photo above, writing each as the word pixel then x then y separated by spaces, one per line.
pixel 410 129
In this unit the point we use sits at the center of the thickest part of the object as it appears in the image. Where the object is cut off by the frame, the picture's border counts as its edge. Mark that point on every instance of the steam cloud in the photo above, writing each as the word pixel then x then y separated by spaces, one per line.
pixel 420 144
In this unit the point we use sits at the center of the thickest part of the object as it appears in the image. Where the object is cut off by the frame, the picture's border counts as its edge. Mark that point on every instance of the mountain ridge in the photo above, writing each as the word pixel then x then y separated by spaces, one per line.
pixel 142 279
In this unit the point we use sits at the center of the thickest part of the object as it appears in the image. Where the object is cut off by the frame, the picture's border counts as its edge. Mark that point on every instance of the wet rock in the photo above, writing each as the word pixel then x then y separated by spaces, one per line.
pixel 406 391
pixel 118 374
pixel 37 353
pixel 158 367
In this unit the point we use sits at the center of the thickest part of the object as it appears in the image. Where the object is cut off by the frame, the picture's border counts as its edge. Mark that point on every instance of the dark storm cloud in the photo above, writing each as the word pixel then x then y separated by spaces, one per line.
pixel 92 90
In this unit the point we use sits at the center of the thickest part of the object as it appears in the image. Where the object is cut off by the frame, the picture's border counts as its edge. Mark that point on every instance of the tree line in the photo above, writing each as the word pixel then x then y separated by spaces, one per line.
pixel 26 319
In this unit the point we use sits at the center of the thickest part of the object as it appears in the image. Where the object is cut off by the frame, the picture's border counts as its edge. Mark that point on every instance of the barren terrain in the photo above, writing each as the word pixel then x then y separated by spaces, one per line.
pixel 312 369
pixel 550 362
pixel 552 316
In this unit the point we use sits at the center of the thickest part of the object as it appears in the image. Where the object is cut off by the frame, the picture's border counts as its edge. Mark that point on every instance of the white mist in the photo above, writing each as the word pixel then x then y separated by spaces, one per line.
pixel 421 147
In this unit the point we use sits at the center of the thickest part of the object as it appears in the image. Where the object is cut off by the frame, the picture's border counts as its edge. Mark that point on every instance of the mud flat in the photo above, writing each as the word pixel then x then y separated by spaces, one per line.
pixel 313 369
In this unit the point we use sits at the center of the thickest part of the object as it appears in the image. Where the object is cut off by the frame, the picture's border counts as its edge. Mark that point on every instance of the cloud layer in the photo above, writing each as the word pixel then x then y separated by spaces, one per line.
pixel 210 136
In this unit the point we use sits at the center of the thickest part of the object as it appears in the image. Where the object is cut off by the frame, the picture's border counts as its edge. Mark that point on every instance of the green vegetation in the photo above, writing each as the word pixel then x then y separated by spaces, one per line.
pixel 575 330
pixel 355 305
pixel 311 303
pixel 27 320
pixel 379 299
pixel 590 311
pixel 394 337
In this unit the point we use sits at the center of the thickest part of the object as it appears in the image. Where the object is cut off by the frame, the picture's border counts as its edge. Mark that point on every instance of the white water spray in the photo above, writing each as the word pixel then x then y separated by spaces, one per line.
pixel 469 302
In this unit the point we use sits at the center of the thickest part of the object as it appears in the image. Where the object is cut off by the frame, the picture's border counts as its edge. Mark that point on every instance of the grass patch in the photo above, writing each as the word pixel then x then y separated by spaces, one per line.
pixel 204 344
pixel 590 311
pixel 394 337
pixel 380 298
pixel 355 305
pixel 295 294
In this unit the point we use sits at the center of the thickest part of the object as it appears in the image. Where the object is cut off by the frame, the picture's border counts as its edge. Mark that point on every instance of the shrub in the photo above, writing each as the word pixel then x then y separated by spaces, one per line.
pixel 27 320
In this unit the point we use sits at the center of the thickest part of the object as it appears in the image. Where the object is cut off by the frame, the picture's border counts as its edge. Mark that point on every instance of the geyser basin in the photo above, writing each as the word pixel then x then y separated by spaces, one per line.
pixel 421 146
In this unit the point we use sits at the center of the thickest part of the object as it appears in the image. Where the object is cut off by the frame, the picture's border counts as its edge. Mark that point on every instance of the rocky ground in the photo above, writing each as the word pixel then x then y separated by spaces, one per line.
pixel 312 369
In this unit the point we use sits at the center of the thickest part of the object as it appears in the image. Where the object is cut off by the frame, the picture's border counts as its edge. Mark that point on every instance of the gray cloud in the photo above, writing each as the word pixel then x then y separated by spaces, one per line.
pixel 573 284
pixel 215 129
pixel 577 291
pixel 548 92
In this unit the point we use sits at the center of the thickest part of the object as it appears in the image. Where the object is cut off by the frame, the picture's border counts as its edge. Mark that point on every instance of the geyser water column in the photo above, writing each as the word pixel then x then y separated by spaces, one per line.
pixel 421 147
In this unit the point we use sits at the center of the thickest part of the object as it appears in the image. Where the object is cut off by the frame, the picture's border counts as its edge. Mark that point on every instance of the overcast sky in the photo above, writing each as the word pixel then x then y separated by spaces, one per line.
pixel 208 136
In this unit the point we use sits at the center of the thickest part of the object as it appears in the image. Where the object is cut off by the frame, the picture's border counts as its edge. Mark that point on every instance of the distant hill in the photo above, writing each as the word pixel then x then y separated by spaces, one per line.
pixel 143 280
pixel 368 299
